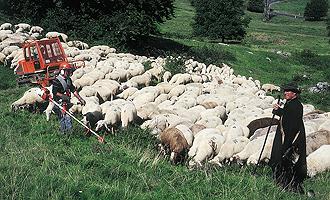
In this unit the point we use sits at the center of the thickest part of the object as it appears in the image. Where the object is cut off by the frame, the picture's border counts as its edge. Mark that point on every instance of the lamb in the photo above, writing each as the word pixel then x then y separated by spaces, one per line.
pixel 318 161
pixel 177 91
pixel 111 119
pixel 156 72
pixel 253 159
pixel 325 125
pixel 210 121
pixel 178 79
pixel 2 58
pixel 166 76
pixel 22 27
pixel 106 88
pixel 268 87
pixel 173 141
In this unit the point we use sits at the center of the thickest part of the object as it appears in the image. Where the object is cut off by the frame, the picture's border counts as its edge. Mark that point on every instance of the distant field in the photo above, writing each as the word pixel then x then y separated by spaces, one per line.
pixel 263 40
pixel 291 6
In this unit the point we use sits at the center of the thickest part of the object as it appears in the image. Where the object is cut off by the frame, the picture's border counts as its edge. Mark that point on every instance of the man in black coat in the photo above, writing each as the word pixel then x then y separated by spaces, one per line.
pixel 288 156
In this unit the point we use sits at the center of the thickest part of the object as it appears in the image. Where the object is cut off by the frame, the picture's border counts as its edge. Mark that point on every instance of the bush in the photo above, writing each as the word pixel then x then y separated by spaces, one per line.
pixel 256 6
pixel 175 64
pixel 315 10
pixel 220 19
pixel 116 21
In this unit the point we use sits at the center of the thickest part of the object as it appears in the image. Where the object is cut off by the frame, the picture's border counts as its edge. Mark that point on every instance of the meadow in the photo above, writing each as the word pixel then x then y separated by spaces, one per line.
pixel 38 162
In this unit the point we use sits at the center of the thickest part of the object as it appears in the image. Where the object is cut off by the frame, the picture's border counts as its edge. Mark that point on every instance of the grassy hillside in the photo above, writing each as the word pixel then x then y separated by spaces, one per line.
pixel 37 162
pixel 263 41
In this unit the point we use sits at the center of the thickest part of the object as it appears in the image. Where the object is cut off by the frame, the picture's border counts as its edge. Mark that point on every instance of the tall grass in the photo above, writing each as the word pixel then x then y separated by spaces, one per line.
pixel 38 162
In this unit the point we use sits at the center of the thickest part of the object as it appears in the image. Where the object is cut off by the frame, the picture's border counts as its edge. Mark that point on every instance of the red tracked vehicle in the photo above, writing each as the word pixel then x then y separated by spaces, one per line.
pixel 43 59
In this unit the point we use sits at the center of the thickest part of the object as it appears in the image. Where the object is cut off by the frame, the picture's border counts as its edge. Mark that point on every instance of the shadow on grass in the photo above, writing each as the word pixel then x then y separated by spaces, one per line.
pixel 157 46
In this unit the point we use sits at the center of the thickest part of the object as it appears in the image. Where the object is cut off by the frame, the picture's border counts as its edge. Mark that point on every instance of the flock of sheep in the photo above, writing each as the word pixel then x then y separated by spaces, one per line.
pixel 207 114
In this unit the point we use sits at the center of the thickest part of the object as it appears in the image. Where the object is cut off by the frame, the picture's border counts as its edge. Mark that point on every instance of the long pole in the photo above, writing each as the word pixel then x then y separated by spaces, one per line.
pixel 263 146
pixel 100 139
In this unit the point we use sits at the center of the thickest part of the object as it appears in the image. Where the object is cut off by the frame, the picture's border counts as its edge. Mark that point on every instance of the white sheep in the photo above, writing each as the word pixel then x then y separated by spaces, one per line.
pixel 229 148
pixel 166 76
pixel 268 87
pixel 6 26
pixel 127 93
pixel 187 133
pixel 318 161
pixel 128 114
pixel 79 44
pixel 206 144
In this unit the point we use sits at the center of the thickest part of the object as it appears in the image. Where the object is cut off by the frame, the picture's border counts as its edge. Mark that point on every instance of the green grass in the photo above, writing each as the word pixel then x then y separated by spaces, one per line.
pixel 263 40
pixel 37 162
pixel 291 6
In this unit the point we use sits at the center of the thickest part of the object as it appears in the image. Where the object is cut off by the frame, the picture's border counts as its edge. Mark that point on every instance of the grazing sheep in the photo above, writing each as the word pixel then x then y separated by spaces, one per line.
pixel 128 114
pixel 6 26
pixel 91 118
pixel 29 98
pixel 251 148
pixel 173 141
pixel 317 139
pixel 111 119
pixel 186 132
pixel 127 93
pixel 229 148
pixel 166 76
pixel 268 87
pixel 207 143
pixel 318 161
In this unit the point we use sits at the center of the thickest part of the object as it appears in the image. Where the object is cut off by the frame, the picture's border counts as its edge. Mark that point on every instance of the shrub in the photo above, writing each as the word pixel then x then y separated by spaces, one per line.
pixel 117 21
pixel 211 55
pixel 175 64
pixel 220 19
pixel 316 9
pixel 256 6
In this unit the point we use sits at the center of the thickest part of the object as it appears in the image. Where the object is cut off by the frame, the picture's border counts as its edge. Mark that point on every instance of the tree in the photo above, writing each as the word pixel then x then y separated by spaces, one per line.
pixel 328 27
pixel 220 19
pixel 256 6
pixel 315 10
pixel 115 21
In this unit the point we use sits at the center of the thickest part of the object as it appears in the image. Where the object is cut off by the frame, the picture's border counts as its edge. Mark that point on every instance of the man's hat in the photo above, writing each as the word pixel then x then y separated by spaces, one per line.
pixel 292 86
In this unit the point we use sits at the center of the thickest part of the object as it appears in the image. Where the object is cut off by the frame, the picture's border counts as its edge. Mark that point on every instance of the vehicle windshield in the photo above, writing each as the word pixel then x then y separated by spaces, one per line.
pixel 51 51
